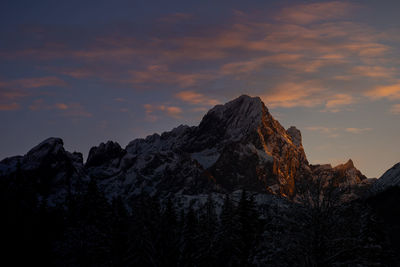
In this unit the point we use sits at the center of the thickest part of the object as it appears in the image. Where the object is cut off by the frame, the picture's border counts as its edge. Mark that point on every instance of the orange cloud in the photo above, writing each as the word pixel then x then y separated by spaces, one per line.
pixel 61 106
pixel 9 106
pixel 39 82
pixel 329 131
pixel 374 71
pixel 7 95
pixel 358 130
pixel 295 94
pixel 161 74
pixel 306 94
pixel 152 110
pixel 386 91
pixel 74 110
pixel 257 64
pixel 33 82
pixel 195 98
pixel 338 100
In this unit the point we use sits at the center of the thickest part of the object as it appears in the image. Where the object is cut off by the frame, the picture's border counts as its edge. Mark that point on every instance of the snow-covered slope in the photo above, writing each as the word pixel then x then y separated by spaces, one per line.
pixel 389 179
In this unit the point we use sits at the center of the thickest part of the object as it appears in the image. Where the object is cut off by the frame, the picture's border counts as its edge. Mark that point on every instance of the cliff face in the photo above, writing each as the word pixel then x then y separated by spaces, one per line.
pixel 238 145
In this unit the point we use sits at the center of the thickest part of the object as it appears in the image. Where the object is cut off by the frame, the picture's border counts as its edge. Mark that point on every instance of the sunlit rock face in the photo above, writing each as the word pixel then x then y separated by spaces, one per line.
pixel 256 152
pixel 346 177
pixel 238 145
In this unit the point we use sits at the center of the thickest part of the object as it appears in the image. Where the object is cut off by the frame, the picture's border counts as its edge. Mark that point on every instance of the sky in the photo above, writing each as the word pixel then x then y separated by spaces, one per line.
pixel 93 71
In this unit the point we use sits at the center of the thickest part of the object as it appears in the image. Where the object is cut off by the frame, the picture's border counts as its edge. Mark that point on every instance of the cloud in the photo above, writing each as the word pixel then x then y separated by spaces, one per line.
pixel 309 13
pixel 329 131
pixel 160 74
pixel 9 98
pixel 38 82
pixel 61 106
pixel 256 64
pixel 374 71
pixel 195 98
pixel 27 83
pixel 335 132
pixel 337 101
pixel 358 130
pixel 74 110
pixel 295 94
pixel 9 106
pixel 318 42
pixel 153 112
pixel 385 91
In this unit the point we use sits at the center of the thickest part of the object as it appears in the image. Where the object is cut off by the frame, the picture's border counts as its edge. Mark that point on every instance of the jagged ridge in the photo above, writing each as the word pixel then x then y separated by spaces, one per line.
pixel 238 145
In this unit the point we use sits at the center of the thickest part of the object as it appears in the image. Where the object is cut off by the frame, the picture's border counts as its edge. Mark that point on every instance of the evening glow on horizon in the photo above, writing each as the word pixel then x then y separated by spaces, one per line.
pixel 100 70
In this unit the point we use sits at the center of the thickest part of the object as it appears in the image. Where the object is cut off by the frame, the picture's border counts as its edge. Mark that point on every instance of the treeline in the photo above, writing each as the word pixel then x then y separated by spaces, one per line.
pixel 89 230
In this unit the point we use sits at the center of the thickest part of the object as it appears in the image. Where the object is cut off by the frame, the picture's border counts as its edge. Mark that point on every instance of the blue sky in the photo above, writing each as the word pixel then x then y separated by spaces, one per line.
pixel 117 70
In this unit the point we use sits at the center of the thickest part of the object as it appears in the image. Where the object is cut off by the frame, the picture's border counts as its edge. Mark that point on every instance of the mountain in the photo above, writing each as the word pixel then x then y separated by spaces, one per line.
pixel 238 145
pixel 236 190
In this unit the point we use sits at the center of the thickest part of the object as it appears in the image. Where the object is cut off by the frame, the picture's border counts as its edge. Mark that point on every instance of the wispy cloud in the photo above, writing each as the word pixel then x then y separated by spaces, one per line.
pixel 374 71
pixel 154 112
pixel 309 13
pixel 337 101
pixel 358 130
pixel 9 106
pixel 73 110
pixel 34 82
pixel 328 131
pixel 391 91
pixel 335 131
pixel 313 43
pixel 160 74
pixel 196 98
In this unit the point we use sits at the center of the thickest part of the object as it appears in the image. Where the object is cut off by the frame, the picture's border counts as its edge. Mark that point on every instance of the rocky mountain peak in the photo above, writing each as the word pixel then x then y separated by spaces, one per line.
pixel 346 166
pixel 235 118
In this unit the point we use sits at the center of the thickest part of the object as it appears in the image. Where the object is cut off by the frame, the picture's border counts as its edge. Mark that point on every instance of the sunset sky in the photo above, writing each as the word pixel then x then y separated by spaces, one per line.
pixel 92 71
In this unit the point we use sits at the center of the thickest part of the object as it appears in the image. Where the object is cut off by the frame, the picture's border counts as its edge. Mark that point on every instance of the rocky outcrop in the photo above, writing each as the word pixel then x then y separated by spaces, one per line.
pixel 49 169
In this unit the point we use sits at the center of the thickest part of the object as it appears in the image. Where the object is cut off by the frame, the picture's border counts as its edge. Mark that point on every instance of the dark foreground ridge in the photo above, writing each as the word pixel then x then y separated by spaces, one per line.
pixel 237 187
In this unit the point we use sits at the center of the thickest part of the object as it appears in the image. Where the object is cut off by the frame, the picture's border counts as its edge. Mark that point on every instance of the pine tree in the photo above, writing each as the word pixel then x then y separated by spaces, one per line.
pixel 208 225
pixel 248 226
pixel 189 237
pixel 119 232
pixel 227 239
pixel 144 236
pixel 168 249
